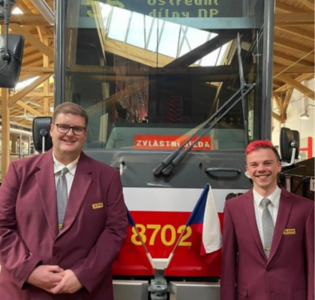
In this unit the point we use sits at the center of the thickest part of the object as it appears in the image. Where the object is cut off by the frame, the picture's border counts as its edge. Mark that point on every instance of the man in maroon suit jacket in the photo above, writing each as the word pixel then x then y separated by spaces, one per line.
pixel 40 260
pixel 286 270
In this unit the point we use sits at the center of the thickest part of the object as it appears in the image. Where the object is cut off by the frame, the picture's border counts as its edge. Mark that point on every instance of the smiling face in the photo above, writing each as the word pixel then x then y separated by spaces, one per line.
pixel 263 168
pixel 67 147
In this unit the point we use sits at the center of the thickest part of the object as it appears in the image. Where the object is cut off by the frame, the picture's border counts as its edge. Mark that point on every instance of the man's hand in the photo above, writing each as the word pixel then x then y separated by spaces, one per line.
pixel 69 284
pixel 45 277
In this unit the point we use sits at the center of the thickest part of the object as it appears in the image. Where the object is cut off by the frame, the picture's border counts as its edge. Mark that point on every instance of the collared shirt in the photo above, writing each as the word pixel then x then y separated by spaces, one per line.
pixel 273 208
pixel 72 167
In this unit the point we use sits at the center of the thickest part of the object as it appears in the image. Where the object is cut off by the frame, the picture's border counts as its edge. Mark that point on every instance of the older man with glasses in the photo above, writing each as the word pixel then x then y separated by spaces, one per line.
pixel 62 219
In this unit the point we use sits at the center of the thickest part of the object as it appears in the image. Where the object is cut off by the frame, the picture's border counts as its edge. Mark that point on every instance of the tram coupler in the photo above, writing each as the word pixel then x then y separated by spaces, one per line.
pixel 158 286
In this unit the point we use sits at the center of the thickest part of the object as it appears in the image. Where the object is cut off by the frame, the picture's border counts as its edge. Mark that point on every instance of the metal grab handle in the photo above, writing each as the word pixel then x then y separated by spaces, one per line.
pixel 210 170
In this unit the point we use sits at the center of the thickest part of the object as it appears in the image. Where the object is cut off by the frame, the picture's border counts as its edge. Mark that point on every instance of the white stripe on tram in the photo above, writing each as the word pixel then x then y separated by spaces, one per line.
pixel 171 200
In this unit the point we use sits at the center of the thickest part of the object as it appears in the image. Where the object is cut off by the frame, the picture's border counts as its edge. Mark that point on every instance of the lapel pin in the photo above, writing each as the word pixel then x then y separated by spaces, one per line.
pixel 97 205
pixel 289 231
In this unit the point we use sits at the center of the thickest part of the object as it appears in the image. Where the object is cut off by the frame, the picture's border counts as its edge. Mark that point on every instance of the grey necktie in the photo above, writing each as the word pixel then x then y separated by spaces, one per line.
pixel 62 196
pixel 267 226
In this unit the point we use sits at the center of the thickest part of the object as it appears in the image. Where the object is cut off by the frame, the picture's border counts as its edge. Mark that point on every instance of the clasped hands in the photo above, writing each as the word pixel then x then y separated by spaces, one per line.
pixel 54 279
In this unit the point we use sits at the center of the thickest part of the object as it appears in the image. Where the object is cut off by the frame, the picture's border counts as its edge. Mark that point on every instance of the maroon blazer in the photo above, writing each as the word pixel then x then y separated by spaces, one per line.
pixel 89 242
pixel 288 274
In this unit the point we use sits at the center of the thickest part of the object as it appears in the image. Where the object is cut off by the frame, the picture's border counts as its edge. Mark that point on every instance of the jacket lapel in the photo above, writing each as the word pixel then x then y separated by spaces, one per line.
pixel 80 185
pixel 284 212
pixel 251 217
pixel 47 191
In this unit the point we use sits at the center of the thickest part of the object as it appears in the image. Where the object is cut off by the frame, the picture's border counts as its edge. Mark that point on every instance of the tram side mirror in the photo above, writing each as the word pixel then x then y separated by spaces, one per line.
pixel 41 137
pixel 11 49
pixel 6 8
pixel 10 61
pixel 289 146
pixel 296 136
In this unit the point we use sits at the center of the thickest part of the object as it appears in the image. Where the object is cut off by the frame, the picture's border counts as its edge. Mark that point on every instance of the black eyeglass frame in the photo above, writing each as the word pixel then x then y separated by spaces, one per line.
pixel 74 128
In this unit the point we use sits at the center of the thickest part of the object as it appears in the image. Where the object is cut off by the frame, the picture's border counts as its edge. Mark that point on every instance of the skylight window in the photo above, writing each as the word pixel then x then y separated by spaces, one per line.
pixel 17 11
pixel 156 35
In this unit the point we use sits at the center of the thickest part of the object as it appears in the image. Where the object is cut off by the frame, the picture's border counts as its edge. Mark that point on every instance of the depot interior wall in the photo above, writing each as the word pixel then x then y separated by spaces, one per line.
pixel 296 107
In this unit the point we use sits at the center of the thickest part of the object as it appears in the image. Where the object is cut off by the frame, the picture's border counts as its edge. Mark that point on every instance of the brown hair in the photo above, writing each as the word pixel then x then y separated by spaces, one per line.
pixel 70 108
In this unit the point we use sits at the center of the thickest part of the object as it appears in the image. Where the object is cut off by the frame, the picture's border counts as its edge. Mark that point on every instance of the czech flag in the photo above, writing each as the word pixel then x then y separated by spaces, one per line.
pixel 130 219
pixel 204 218
pixel 133 224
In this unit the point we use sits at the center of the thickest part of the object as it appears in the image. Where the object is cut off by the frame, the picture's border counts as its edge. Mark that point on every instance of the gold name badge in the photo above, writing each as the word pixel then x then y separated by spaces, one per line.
pixel 289 231
pixel 97 205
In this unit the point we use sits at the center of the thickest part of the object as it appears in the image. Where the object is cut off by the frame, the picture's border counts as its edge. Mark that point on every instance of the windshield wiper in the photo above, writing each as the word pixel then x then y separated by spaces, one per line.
pixel 171 161
pixel 243 83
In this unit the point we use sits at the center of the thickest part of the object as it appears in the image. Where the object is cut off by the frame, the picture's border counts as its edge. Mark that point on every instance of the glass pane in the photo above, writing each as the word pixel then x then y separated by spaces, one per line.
pixel 155 71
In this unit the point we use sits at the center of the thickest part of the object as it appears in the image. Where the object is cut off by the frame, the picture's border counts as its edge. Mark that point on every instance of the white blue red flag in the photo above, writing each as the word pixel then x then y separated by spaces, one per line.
pixel 133 224
pixel 205 220
pixel 130 219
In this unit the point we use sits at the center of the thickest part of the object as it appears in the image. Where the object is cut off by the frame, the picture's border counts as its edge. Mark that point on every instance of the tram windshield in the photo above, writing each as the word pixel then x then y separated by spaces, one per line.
pixel 151 73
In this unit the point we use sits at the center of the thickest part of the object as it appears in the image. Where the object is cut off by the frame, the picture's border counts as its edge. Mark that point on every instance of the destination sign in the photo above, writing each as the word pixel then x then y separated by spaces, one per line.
pixel 181 8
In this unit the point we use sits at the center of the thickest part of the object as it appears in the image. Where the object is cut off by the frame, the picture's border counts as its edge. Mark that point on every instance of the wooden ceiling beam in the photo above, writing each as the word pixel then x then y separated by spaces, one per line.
pixel 292 45
pixel 29 50
pixel 134 53
pixel 297 32
pixel 275 86
pixel 300 78
pixel 40 95
pixel 292 70
pixel 27 19
pixel 308 4
pixel 277 117
pixel 34 63
pixel 289 8
pixel 297 85
pixel 29 58
pixel 29 88
pixel 38 70
pixel 293 19
pixel 277 82
pixel 291 58
pixel 32 40
pixel 282 105
pixel 111 71
pixel 287 99
pixel 29 108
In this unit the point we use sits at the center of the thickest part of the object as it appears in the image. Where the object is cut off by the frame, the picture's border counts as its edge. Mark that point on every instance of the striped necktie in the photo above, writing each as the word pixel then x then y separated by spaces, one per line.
pixel 62 196
pixel 267 226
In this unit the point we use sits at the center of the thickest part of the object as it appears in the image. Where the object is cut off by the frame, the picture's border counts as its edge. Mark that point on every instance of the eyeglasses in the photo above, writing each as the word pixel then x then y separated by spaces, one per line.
pixel 64 129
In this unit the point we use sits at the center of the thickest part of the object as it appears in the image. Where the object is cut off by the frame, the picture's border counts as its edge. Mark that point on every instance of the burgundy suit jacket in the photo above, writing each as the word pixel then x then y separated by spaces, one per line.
pixel 89 241
pixel 288 274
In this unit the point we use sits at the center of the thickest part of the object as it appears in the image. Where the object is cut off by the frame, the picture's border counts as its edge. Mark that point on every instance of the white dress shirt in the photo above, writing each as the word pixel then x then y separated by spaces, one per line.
pixel 72 167
pixel 273 208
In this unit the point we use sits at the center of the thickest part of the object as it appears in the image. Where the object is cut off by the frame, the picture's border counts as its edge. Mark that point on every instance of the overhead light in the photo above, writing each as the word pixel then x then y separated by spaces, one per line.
pixel 45 10
pixel 305 115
